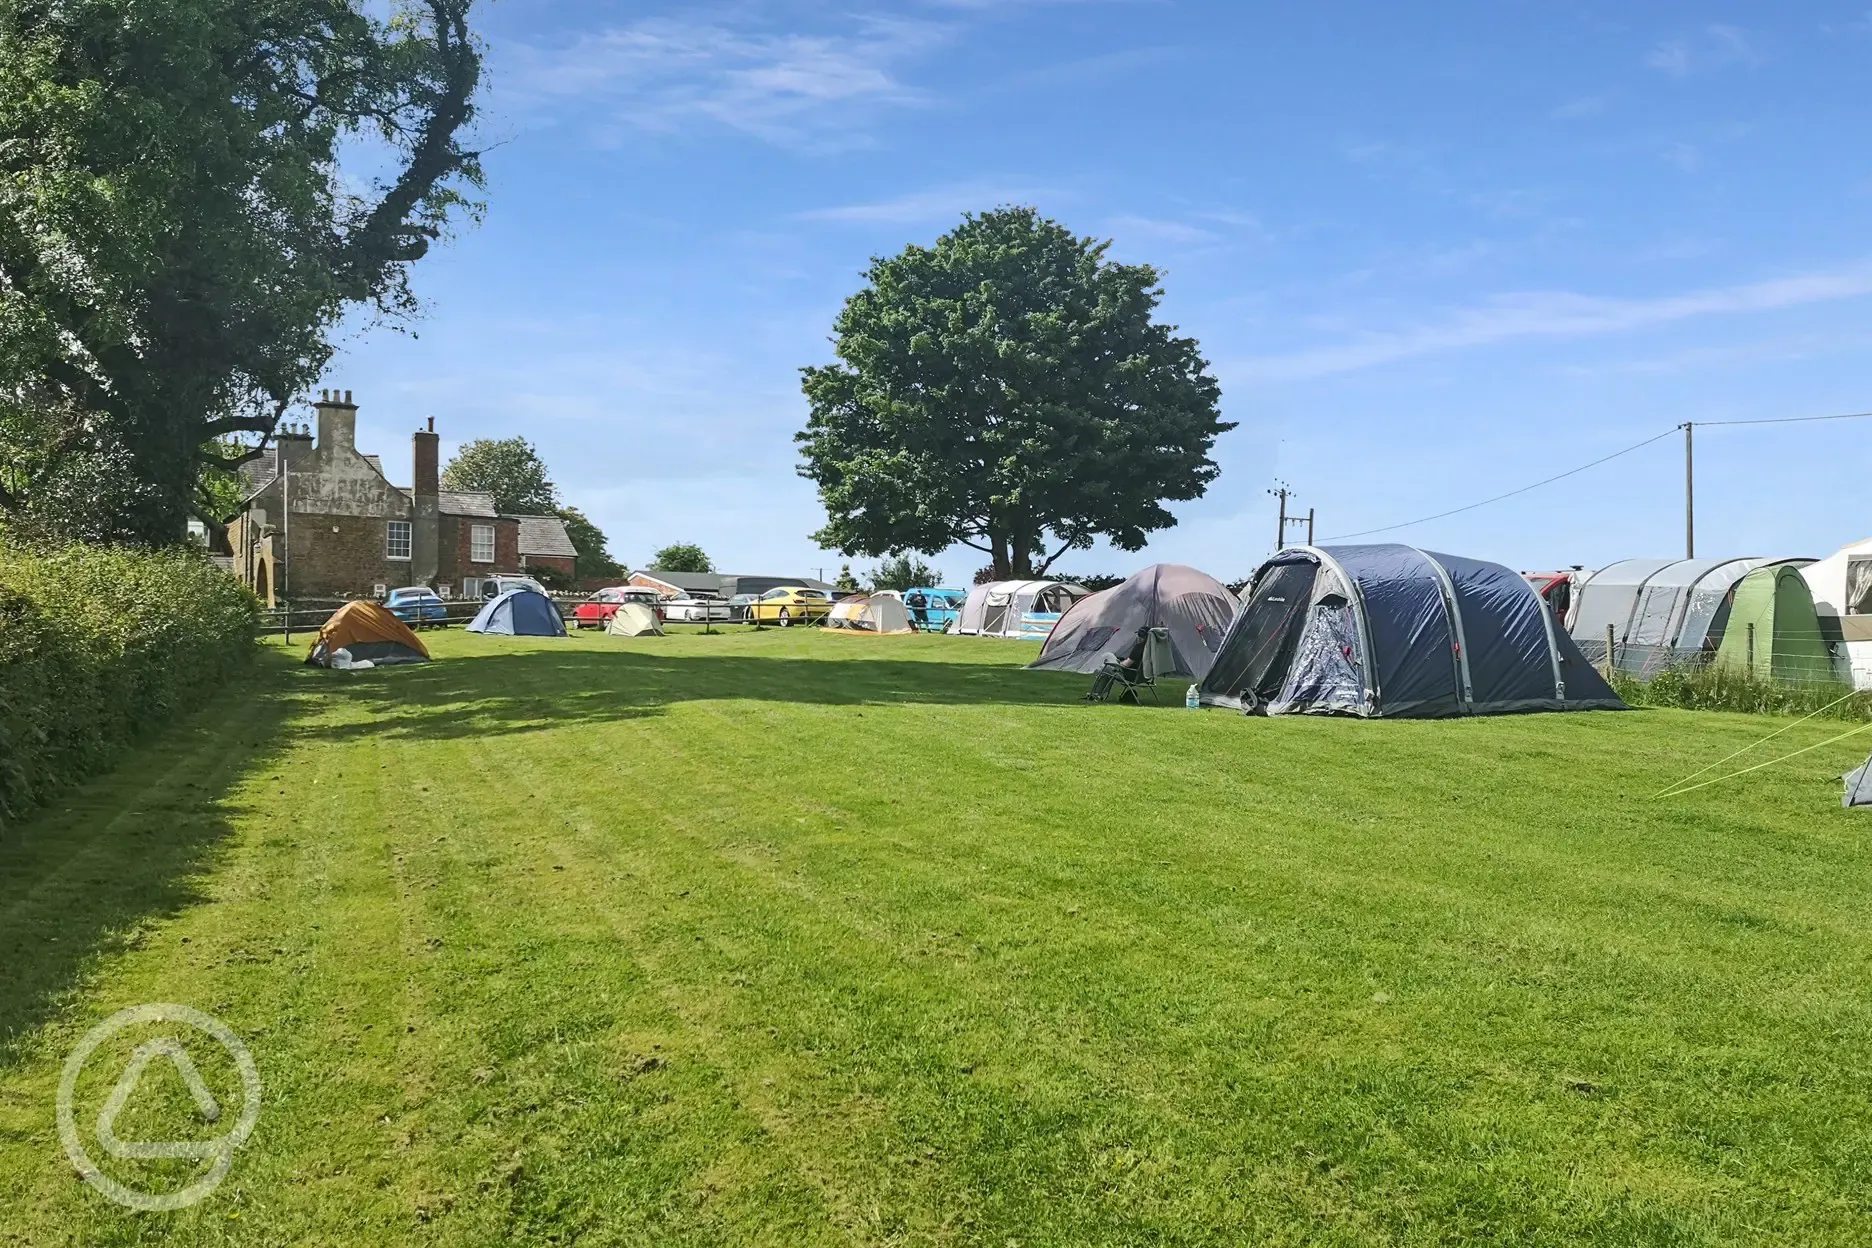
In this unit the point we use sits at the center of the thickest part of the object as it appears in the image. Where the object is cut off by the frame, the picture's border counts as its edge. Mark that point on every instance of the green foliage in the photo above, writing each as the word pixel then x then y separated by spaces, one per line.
pixel 96 646
pixel 508 468
pixel 1712 688
pixel 186 216
pixel 594 554
pixel 846 582
pixel 1006 389
pixel 1094 581
pixel 682 557
pixel 901 572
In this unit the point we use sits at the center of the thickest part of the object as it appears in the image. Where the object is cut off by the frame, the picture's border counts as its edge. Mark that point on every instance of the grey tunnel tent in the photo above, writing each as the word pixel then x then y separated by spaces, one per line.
pixel 1194 606
pixel 1659 611
pixel 1393 631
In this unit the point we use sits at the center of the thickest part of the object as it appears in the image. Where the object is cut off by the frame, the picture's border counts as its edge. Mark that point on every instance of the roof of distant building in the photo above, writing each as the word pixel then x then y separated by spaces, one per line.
pixel 545 535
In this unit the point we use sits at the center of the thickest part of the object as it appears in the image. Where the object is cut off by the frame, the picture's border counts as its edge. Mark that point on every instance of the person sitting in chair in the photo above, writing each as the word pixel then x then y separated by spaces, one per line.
pixel 1118 668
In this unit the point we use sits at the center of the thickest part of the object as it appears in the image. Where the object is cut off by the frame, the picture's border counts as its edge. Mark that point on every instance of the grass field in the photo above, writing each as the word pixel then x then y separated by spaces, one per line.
pixel 796 939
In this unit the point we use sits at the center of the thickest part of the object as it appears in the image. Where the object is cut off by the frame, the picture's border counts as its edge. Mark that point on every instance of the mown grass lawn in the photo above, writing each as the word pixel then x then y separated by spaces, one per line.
pixel 788 938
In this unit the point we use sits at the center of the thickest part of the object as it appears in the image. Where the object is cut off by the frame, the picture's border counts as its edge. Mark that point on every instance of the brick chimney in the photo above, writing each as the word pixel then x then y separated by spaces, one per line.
pixel 293 444
pixel 337 420
pixel 425 528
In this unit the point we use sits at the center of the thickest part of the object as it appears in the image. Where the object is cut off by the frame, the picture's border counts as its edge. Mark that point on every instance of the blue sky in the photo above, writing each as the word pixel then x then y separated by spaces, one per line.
pixel 1433 251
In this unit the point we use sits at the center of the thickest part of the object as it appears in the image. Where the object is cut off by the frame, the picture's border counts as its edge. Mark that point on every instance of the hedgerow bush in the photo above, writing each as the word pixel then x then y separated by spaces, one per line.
pixel 1710 688
pixel 100 644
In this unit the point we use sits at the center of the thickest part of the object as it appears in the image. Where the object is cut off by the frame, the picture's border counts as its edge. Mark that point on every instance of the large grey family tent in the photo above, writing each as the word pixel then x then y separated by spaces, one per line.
pixel 368 634
pixel 1659 611
pixel 1026 609
pixel 1774 631
pixel 1194 606
pixel 1842 594
pixel 519 613
pixel 633 619
pixel 869 613
pixel 1393 631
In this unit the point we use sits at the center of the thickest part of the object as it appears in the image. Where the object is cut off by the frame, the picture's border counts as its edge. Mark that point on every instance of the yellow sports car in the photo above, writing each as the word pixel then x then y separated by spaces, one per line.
pixel 789 605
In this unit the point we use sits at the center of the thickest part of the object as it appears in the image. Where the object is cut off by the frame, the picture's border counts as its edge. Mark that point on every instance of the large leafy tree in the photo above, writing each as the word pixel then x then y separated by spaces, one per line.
pixel 682 557
pixel 1008 390
pixel 193 194
pixel 508 468
pixel 594 553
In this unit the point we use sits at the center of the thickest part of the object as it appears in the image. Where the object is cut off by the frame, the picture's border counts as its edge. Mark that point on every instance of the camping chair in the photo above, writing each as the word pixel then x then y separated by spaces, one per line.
pixel 1159 659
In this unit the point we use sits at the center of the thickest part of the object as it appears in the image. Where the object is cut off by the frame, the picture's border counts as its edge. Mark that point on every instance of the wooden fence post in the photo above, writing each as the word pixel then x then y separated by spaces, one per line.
pixel 1610 641
pixel 1751 648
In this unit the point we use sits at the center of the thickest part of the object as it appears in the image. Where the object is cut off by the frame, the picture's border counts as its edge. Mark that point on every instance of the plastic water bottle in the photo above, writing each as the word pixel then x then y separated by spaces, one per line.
pixel 1191 699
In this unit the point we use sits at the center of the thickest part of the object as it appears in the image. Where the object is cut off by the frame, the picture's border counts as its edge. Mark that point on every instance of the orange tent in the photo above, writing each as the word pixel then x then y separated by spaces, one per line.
pixel 365 631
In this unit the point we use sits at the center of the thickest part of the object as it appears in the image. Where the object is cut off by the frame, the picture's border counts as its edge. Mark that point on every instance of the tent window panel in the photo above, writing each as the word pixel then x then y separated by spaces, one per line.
pixel 1859 587
pixel 397 539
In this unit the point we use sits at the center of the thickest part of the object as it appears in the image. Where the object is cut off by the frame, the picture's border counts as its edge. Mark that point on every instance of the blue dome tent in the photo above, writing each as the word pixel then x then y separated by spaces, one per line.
pixel 519 613
pixel 1392 631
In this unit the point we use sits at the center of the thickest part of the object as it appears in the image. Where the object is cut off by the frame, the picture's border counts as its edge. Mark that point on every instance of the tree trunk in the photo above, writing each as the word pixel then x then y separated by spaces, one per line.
pixel 1003 570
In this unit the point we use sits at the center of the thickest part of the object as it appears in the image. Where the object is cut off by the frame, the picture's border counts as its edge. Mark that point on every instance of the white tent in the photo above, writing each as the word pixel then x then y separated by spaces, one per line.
pixel 1026 609
pixel 1658 610
pixel 633 619
pixel 1842 593
pixel 876 613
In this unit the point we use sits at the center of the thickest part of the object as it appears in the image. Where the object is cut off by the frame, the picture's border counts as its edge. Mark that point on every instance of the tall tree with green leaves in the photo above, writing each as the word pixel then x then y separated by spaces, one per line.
pixel 681 557
pixel 594 554
pixel 904 572
pixel 193 194
pixel 1008 390
pixel 508 468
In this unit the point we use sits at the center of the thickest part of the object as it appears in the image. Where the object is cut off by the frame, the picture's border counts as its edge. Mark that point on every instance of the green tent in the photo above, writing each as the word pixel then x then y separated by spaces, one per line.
pixel 1785 643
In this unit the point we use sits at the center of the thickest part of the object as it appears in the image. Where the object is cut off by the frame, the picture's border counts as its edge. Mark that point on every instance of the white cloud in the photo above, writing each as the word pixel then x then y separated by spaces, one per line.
pixel 663 74
pixel 1554 314
pixel 941 204
pixel 1178 232
pixel 1715 46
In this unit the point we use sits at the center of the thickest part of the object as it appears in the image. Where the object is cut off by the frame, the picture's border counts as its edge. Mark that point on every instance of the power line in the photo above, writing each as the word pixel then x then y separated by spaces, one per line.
pixel 1781 420
pixel 1571 472
pixel 1455 511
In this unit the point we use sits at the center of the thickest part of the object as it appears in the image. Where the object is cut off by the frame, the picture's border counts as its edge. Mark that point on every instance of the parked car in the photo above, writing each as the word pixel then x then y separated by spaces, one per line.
pixel 738 606
pixel 697 609
pixel 495 586
pixel 417 606
pixel 940 607
pixel 789 605
pixel 597 610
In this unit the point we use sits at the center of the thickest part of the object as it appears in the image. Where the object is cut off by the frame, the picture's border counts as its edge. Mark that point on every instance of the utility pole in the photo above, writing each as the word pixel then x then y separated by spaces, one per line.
pixel 1689 492
pixel 1281 491
pixel 1309 526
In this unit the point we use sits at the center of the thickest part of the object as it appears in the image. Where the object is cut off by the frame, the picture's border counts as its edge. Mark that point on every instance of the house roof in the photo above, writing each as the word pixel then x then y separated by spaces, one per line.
pixel 545 535
pixel 465 503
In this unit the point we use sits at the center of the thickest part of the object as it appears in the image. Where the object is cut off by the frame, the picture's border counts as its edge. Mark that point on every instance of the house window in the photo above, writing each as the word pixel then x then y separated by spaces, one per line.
pixel 471 587
pixel 481 543
pixel 397 540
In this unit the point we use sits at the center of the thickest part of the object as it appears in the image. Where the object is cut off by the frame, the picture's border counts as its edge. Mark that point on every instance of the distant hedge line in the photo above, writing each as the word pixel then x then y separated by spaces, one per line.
pixel 98 645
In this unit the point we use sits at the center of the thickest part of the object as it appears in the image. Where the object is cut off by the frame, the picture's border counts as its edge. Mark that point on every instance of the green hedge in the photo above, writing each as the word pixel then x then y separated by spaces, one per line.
pixel 98 645
pixel 1723 689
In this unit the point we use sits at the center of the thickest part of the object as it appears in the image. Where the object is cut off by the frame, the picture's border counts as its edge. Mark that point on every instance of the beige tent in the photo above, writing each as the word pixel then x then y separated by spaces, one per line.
pixel 878 613
pixel 633 619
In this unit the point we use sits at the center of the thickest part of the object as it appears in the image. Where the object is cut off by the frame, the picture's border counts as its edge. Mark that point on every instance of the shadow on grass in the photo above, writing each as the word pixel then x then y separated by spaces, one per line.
pixel 83 877
pixel 535 689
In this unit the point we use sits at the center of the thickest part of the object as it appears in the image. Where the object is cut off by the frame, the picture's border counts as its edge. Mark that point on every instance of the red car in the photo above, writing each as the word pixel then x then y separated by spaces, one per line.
pixel 597 610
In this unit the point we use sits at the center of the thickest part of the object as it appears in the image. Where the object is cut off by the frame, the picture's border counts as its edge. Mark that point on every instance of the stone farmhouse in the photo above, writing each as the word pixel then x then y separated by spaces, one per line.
pixel 321 520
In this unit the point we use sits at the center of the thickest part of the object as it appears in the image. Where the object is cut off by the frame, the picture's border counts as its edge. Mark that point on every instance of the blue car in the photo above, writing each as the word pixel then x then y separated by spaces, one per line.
pixel 417 606
pixel 940 607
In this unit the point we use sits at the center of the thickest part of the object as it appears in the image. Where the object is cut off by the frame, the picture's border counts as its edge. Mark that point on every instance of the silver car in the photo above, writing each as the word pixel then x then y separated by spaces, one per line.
pixel 696 609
